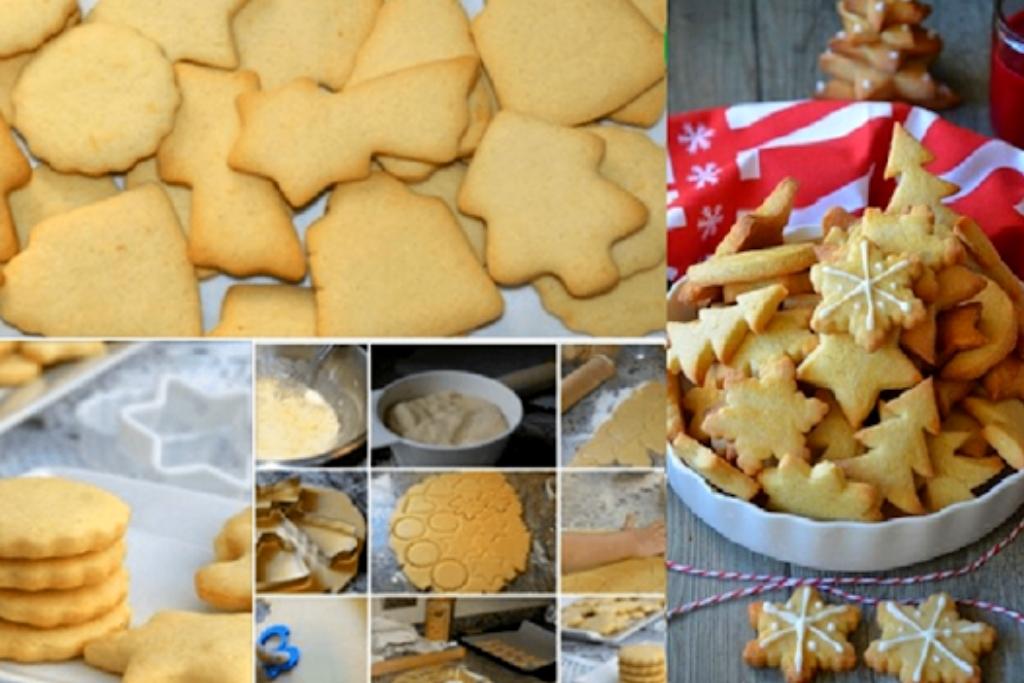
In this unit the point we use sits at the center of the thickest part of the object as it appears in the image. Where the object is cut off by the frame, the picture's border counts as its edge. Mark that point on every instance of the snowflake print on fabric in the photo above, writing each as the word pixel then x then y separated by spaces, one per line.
pixel 696 138
pixel 710 218
pixel 705 175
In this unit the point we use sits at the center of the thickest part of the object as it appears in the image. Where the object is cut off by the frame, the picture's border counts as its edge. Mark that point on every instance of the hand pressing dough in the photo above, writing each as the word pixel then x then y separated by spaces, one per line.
pixel 635 575
pixel 460 533
pixel 447 418
pixel 636 427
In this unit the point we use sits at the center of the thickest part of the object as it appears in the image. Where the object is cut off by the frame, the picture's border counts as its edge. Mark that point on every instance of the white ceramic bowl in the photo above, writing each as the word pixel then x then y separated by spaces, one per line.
pixel 840 546
pixel 409 453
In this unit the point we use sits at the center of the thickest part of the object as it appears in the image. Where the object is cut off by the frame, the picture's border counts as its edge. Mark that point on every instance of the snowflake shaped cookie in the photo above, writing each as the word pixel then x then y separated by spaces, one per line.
pixel 930 643
pixel 866 293
pixel 802 636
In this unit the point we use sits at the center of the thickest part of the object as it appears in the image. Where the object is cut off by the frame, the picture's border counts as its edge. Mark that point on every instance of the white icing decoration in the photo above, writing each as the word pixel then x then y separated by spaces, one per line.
pixel 928 638
pixel 800 624
pixel 868 285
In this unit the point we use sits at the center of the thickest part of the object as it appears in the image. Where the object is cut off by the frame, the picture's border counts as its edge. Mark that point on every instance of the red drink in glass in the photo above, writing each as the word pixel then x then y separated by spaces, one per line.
pixel 1006 91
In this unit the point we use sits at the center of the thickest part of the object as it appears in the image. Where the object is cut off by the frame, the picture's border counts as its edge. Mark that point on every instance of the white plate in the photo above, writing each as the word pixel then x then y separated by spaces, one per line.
pixel 524 314
pixel 169 537
pixel 840 546
pixel 20 403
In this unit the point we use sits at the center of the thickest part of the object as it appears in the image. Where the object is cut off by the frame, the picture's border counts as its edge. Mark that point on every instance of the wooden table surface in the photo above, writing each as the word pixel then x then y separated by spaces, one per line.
pixel 729 51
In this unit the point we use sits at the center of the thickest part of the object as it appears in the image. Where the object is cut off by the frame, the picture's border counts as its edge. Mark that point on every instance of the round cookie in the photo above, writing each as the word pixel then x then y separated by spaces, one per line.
pixel 52 608
pixel 61 573
pixel 96 100
pixel 47 517
pixel 22 643
pixel 460 533
pixel 25 24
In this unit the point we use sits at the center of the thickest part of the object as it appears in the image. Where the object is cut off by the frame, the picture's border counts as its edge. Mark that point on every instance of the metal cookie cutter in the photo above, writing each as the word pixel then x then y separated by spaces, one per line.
pixel 282 656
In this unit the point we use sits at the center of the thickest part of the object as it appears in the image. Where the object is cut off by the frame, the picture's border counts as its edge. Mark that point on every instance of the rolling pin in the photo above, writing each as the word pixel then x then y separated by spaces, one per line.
pixel 585 379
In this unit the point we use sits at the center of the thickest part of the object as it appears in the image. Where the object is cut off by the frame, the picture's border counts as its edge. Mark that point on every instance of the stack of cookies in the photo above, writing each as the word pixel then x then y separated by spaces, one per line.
pixel 883 53
pixel 876 373
pixel 642 663
pixel 62 580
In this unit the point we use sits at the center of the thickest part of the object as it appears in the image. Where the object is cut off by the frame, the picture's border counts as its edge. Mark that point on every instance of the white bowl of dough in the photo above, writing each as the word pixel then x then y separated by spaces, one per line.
pixel 839 546
pixel 304 420
pixel 445 418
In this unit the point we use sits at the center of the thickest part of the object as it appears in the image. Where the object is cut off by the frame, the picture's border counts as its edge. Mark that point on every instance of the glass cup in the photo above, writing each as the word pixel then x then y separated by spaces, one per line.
pixel 1006 89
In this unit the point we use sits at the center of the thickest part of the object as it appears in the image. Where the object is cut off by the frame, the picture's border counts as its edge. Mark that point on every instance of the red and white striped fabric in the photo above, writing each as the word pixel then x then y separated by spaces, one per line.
pixel 725 161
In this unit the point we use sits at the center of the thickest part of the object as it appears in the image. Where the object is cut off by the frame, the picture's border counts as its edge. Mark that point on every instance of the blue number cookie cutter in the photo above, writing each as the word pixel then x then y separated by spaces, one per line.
pixel 281 633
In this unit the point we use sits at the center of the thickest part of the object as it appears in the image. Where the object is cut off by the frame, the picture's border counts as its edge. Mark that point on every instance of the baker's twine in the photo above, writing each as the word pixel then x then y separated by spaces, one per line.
pixel 766 583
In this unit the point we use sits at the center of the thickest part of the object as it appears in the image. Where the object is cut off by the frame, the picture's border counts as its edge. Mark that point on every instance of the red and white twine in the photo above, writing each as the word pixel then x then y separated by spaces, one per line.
pixel 765 583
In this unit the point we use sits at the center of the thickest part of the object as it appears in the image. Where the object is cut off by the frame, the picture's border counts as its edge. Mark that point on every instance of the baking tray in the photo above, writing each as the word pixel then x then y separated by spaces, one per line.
pixel 616 639
pixel 529 638
pixel 20 403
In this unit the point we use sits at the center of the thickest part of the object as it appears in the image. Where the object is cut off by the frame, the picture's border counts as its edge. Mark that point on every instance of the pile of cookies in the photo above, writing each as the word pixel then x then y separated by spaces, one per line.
pixel 876 373
pixel 22 362
pixel 883 53
pixel 460 533
pixel 805 635
pixel 309 538
pixel 642 663
pixel 511 653
pixel 459 157
pixel 62 579
pixel 609 616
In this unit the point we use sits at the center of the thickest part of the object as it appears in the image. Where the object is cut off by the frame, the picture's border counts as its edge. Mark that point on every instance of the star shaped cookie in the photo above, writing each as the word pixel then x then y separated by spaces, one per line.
pixel 765 417
pixel 866 293
pixel 929 643
pixel 802 636
pixel 956 476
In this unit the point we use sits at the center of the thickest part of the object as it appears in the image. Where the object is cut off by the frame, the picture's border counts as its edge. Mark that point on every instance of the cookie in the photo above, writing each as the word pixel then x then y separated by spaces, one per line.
pixel 444 183
pixel 928 643
pixel 48 353
pixel 194 30
pixel 998 324
pixel 765 417
pixel 38 523
pixel 1005 380
pixel 54 608
pixel 866 293
pixel 568 68
pixel 25 24
pixel 28 644
pixel 16 370
pixel 833 437
pixel 62 573
pixel 716 470
pixel 10 70
pixel 267 311
pixel 14 173
pixel 73 108
pixel 563 221
pixel 802 636
pixel 914 232
pixel 856 376
pixel 146 172
pixel 50 193
pixel 956 476
pixel 438 531
pixel 641 655
pixel 762 227
pixel 819 492
pixel 305 139
pixel 1002 427
pixel 227 583
pixel 239 222
pixel 897 448
pixel 632 308
pixel 647 108
pixel 752 265
pixel 386 261
pixel 282 40
pixel 117 267
pixel 189 646
pixel 409 33
pixel 633 162
pixel 787 335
